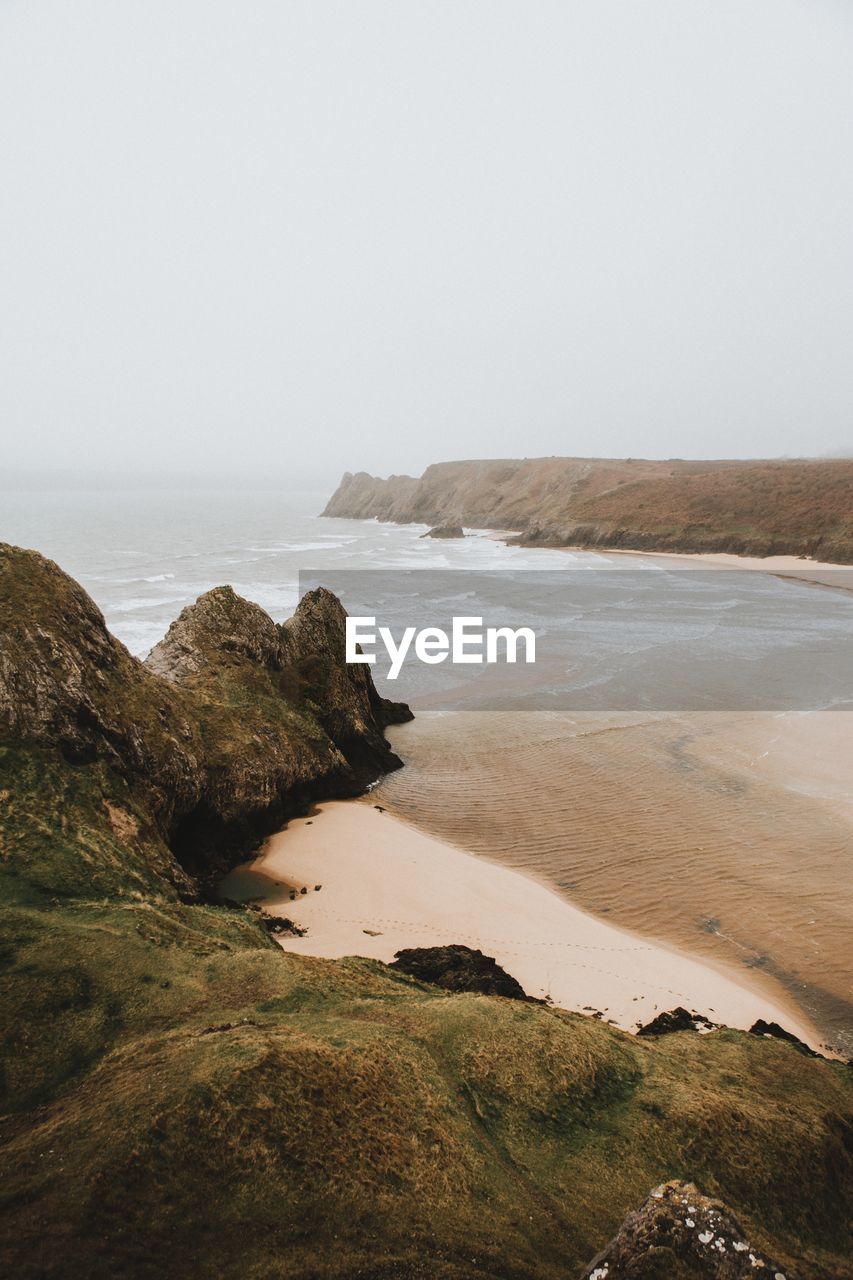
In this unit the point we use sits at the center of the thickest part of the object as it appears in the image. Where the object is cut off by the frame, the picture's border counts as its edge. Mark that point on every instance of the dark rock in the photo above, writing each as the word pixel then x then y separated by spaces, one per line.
pixel 343 696
pixel 675 1020
pixel 458 968
pixel 445 531
pixel 282 926
pixel 680 1234
pixel 762 1028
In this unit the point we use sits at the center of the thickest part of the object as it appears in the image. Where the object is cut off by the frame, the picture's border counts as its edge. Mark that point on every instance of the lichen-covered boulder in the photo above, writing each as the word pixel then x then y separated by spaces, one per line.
pixel 680 1234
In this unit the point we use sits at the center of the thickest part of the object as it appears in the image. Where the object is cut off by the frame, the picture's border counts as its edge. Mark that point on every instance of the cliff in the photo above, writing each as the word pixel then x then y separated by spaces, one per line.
pixel 180 1097
pixel 785 507
pixel 231 724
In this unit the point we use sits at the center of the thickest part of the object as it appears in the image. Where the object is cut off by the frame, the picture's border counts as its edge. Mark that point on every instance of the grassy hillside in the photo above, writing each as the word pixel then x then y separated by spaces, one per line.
pixel 796 507
pixel 182 1098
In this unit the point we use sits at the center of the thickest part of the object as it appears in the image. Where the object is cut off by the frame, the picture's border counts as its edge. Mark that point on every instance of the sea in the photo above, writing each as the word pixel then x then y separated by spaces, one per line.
pixel 144 553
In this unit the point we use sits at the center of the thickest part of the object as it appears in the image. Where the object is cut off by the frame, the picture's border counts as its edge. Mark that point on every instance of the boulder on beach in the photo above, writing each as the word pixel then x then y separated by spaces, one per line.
pixel 445 531
pixel 459 968
pixel 775 1032
pixel 675 1020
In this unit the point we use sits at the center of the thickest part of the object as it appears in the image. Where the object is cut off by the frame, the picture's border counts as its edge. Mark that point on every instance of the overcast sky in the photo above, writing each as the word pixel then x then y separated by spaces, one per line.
pixel 303 237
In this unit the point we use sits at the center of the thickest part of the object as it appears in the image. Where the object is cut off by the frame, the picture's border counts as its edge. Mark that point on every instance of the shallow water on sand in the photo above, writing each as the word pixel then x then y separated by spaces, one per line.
pixel 658 824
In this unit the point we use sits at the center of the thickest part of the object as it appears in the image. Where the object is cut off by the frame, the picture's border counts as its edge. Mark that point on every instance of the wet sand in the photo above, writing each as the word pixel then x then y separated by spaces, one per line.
pixel 386 885
pixel 728 835
pixel 822 573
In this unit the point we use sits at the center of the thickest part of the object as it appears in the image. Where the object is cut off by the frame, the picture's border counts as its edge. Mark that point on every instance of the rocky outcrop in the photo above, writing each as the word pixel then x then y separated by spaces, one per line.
pixel 773 1031
pixel 445 531
pixel 230 725
pixel 220 629
pixel 675 1020
pixel 68 685
pixel 458 968
pixel 361 496
pixel 679 1234
pixel 779 507
pixel 344 698
pixel 679 1019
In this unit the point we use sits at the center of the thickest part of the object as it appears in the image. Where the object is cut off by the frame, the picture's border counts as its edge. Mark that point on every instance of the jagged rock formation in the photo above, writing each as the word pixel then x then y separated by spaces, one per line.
pixel 677 1019
pixel 780 507
pixel 219 630
pixel 445 531
pixel 231 723
pixel 344 697
pixel 679 1234
pixel 773 1031
pixel 458 968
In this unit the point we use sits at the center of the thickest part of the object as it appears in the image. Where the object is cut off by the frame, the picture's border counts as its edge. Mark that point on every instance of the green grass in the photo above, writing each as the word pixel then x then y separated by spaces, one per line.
pixel 183 1098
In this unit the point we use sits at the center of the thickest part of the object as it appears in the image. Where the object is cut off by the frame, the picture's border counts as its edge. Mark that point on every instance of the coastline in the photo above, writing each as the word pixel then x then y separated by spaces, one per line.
pixel 727 560
pixel 797 567
pixel 386 885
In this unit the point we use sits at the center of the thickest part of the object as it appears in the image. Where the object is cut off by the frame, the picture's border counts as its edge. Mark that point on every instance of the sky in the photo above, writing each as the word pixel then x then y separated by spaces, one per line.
pixel 276 237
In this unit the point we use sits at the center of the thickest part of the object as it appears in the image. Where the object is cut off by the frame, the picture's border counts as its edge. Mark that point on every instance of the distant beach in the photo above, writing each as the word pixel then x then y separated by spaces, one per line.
pixel 820 572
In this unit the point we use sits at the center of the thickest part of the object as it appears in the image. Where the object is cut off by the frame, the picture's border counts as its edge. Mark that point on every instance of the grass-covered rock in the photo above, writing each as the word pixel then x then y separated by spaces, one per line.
pixel 231 724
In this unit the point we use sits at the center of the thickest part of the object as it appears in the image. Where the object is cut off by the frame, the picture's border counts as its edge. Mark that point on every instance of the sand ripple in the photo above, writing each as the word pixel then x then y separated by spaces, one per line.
pixel 660 824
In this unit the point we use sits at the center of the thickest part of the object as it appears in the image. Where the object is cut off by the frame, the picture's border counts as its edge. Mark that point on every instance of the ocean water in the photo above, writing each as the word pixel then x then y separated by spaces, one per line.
pixel 611 633
pixel 143 553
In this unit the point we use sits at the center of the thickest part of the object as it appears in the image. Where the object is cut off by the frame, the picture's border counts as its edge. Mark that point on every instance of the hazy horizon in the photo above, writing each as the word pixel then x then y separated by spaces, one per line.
pixel 319 481
pixel 294 239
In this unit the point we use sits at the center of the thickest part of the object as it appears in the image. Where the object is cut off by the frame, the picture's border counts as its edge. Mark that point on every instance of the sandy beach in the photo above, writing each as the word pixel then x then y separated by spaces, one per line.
pixel 724 559
pixel 820 572
pixel 385 885
pixel 823 573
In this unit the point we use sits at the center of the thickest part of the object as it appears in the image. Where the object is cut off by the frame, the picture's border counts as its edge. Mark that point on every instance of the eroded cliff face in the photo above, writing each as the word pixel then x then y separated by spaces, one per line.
pixel 220 631
pixel 361 496
pixel 779 507
pixel 230 725
pixel 344 698
pixel 68 686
